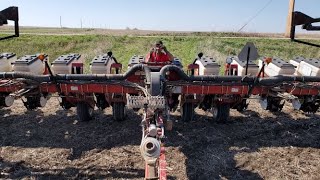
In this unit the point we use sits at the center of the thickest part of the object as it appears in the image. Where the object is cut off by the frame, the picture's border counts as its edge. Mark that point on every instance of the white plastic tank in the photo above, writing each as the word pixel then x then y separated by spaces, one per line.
pixel 208 66
pixel 309 67
pixel 63 64
pixel 102 64
pixel 278 67
pixel 253 68
pixel 5 61
pixel 30 63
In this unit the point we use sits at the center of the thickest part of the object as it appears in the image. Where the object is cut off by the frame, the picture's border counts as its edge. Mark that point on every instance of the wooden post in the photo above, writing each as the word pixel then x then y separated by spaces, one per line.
pixel 290 27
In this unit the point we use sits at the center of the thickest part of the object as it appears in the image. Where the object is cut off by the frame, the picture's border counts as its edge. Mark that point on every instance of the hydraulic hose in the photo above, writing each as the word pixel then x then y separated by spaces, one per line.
pixel 84 77
pixel 176 69
pixel 141 67
pixel 207 78
pixel 279 79
pixel 15 75
pixel 102 77
pixel 218 79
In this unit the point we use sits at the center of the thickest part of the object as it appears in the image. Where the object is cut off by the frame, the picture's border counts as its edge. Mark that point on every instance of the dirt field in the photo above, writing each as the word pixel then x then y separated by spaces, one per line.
pixel 139 32
pixel 50 143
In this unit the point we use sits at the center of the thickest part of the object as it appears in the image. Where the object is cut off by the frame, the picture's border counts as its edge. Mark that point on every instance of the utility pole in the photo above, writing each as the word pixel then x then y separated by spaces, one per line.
pixel 290 27
pixel 60 22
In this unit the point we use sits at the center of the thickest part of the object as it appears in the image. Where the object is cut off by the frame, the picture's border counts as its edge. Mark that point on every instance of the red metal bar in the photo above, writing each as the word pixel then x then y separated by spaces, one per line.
pixel 77 64
pixel 303 91
pixel 8 88
pixel 193 66
pixel 214 89
pixel 87 88
pixel 242 90
pixel 229 68
pixel 186 89
pixel 116 65
pixel 162 165
pixel 146 171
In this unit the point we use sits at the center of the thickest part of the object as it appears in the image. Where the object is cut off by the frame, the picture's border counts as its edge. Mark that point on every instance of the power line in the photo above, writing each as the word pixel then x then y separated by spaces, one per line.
pixel 257 14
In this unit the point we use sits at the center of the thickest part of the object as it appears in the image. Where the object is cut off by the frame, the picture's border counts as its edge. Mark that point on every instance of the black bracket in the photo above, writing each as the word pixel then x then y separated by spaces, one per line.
pixel 11 14
pixel 299 18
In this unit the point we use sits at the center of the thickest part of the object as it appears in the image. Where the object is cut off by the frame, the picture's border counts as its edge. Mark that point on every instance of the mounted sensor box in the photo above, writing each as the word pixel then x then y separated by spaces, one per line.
pixel 102 64
pixel 5 61
pixel 63 65
pixel 176 61
pixel 30 63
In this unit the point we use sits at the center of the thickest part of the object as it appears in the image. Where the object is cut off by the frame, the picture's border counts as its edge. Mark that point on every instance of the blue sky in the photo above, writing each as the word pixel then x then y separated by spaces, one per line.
pixel 184 15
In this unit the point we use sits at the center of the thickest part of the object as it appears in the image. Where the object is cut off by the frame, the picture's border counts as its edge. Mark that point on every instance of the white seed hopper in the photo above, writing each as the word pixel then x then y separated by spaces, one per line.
pixel 63 64
pixel 102 64
pixel 136 59
pixel 5 61
pixel 208 66
pixel 30 63
pixel 253 69
pixel 296 62
pixel 309 67
pixel 278 67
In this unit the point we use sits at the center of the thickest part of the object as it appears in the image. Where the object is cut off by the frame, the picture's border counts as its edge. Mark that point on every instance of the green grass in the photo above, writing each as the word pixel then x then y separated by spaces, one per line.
pixel 123 47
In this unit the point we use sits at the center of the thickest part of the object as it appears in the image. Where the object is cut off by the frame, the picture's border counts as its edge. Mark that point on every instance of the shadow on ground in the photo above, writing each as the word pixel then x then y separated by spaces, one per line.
pixel 103 148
